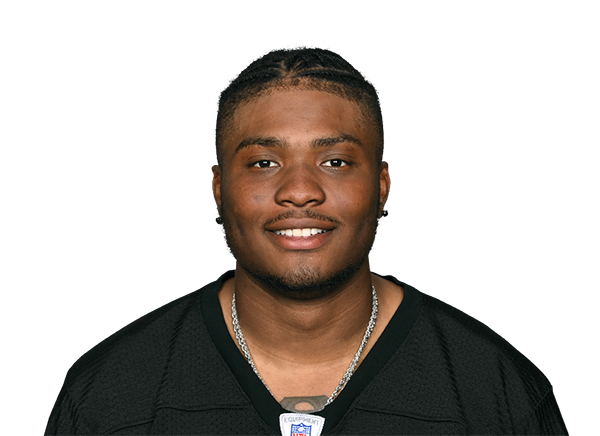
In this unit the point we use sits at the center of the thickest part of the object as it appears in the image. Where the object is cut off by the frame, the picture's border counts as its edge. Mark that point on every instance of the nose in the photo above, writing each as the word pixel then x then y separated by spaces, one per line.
pixel 300 186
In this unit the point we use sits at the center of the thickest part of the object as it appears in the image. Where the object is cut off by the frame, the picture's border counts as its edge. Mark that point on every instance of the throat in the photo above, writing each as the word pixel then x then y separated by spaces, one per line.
pixel 280 388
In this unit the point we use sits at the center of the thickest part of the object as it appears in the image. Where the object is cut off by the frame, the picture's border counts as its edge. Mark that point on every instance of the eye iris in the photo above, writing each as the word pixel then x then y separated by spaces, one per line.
pixel 264 163
pixel 336 162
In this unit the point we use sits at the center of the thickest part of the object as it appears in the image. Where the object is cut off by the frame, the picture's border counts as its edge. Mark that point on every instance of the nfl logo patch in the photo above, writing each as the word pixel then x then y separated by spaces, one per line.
pixel 301 424
pixel 300 430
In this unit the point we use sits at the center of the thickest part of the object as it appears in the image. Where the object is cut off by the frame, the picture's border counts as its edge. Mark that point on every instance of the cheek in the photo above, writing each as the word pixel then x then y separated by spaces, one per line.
pixel 259 198
pixel 359 200
pixel 243 207
pixel 247 202
pixel 250 209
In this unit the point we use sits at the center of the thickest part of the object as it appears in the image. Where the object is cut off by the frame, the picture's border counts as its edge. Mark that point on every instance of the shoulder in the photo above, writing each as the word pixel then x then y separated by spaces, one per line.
pixel 123 374
pixel 452 366
pixel 476 353
pixel 472 342
pixel 495 382
pixel 144 340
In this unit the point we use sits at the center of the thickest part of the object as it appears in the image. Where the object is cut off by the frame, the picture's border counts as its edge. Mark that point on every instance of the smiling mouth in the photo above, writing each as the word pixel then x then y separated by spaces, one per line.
pixel 299 233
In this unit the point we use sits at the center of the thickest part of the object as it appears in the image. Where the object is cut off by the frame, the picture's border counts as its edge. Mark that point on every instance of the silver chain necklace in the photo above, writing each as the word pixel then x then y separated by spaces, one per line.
pixel 242 342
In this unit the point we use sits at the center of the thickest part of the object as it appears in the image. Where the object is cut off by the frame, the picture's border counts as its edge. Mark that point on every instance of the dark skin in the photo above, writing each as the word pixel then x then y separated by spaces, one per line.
pixel 302 159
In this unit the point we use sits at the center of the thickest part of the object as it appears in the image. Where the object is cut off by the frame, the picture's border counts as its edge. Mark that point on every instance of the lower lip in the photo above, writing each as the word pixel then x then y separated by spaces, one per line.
pixel 311 242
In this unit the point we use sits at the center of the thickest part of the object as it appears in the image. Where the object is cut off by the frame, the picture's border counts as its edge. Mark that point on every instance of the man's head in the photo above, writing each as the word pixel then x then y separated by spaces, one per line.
pixel 300 182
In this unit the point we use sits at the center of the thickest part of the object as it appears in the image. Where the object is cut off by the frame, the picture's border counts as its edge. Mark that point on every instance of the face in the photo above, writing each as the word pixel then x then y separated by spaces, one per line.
pixel 300 189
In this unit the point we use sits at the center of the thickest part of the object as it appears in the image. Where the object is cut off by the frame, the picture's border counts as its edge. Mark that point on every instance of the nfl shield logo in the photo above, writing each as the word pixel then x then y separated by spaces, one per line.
pixel 300 430
pixel 293 424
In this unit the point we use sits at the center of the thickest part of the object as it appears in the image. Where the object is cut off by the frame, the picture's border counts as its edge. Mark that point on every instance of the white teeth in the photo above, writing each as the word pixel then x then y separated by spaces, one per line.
pixel 299 232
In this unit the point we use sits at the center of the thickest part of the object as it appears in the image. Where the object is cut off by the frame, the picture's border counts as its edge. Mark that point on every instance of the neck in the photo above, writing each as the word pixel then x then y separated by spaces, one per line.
pixel 330 326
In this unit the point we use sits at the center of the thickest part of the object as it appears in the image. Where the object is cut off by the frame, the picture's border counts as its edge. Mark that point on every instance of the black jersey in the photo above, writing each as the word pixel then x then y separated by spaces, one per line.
pixel 434 370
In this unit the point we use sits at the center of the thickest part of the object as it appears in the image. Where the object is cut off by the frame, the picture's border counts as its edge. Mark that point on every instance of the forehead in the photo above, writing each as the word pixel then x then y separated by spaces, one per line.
pixel 297 115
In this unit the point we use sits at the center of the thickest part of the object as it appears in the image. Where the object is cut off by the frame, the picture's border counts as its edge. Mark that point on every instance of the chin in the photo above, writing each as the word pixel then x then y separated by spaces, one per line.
pixel 304 282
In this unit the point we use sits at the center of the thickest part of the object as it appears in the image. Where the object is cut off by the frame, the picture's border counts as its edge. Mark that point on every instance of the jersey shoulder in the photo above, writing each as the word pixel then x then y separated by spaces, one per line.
pixel 121 380
pixel 452 368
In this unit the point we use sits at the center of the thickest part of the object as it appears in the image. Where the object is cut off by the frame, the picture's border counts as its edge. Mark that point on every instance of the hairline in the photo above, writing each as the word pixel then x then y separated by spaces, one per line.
pixel 225 116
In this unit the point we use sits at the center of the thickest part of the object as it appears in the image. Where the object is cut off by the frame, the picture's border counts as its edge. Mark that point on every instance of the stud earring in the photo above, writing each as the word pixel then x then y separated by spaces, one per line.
pixel 384 214
pixel 218 218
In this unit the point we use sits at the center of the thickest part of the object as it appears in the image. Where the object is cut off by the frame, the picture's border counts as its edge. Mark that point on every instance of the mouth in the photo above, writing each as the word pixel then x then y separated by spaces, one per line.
pixel 300 238
pixel 300 232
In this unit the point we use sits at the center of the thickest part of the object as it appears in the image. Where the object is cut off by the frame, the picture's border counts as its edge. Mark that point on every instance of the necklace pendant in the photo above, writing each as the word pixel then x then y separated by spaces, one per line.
pixel 301 424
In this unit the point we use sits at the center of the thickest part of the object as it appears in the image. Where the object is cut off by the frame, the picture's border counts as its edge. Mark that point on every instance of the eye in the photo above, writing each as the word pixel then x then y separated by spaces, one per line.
pixel 335 163
pixel 264 164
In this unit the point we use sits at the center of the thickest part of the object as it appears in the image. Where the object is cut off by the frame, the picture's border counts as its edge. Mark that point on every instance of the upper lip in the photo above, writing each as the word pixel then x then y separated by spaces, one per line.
pixel 303 223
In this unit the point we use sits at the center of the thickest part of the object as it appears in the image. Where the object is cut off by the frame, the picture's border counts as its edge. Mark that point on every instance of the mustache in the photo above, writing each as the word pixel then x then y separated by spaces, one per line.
pixel 306 213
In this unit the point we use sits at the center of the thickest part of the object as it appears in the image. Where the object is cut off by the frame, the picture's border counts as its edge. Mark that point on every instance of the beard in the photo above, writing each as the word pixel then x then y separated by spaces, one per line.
pixel 303 282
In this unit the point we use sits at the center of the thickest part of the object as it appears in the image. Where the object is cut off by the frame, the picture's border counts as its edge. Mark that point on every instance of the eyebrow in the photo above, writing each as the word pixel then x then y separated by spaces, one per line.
pixel 325 141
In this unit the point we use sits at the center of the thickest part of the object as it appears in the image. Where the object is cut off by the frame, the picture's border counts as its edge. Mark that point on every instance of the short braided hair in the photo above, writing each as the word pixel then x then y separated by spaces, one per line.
pixel 302 68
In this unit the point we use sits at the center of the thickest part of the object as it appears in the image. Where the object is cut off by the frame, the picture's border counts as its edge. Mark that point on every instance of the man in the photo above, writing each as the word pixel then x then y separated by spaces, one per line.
pixel 302 338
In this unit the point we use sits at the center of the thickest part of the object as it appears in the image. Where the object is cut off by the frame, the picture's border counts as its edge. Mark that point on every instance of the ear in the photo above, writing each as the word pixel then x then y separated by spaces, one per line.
pixel 384 186
pixel 216 186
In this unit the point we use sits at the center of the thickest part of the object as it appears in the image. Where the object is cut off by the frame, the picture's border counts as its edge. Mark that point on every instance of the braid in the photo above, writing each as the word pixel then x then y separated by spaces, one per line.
pixel 306 68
